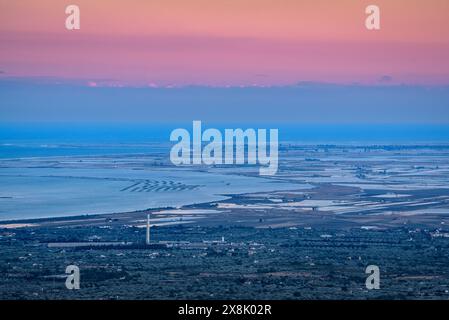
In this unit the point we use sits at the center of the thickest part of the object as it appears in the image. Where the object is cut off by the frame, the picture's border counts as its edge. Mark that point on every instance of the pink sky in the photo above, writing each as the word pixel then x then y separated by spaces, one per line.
pixel 226 42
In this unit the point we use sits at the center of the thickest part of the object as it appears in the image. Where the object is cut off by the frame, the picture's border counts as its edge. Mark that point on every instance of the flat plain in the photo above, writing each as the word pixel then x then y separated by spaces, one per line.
pixel 308 232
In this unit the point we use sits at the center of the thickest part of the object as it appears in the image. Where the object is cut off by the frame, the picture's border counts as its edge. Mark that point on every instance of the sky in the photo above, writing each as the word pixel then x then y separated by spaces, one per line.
pixel 227 42
pixel 266 60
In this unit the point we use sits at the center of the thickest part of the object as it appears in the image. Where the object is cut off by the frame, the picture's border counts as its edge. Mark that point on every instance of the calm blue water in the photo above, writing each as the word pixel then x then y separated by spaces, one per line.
pixel 45 149
pixel 39 140
pixel 40 190
pixel 50 192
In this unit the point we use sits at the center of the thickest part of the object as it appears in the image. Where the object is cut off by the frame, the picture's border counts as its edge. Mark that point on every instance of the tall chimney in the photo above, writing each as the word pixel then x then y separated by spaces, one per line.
pixel 148 228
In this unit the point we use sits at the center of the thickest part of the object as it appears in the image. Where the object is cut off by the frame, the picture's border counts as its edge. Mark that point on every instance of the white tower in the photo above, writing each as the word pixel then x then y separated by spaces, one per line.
pixel 148 228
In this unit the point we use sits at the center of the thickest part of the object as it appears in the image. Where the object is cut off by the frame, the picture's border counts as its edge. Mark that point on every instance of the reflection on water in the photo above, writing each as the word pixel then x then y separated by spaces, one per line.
pixel 27 192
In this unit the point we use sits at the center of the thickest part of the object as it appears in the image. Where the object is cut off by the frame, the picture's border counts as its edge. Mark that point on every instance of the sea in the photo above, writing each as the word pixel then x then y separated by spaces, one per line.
pixel 55 170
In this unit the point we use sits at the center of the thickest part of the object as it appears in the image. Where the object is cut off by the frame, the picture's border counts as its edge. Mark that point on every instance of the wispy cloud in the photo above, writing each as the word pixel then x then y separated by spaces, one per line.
pixel 385 79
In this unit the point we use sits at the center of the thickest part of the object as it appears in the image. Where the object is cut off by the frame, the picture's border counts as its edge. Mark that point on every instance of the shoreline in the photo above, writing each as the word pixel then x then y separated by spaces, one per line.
pixel 106 216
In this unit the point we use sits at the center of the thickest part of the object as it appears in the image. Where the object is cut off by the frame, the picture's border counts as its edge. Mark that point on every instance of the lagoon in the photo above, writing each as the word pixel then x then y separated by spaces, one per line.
pixel 40 192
